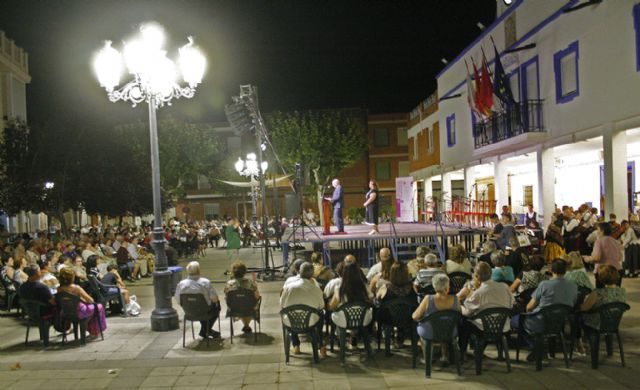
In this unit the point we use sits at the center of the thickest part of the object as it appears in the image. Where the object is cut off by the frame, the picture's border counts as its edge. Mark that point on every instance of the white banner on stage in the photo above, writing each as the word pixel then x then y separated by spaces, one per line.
pixel 404 199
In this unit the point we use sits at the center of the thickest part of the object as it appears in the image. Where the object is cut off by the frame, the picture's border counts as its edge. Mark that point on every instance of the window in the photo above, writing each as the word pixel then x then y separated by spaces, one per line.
pixel 403 169
pixel 451 130
pixel 565 66
pixel 211 210
pixel 380 137
pixel 514 82
pixel 529 79
pixel 402 136
pixel 416 149
pixel 430 141
pixel 636 25
pixel 383 171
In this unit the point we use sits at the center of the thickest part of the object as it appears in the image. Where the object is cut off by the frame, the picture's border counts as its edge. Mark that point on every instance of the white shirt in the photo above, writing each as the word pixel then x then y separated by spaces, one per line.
pixel 196 285
pixel 452 266
pixel 490 294
pixel 333 285
pixel 133 251
pixel 374 270
pixel 86 253
pixel 629 237
pixel 302 292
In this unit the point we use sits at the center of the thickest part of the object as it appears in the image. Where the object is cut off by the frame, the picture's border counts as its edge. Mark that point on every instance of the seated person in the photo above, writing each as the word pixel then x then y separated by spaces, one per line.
pixel 501 272
pixel 304 292
pixel 482 293
pixel 238 282
pixel 423 280
pixel 385 253
pixel 516 256
pixel 576 270
pixel 334 283
pixel 382 277
pixel 487 249
pixel 441 300
pixel 87 306
pixel 611 292
pixel 294 271
pixel 111 282
pixel 530 277
pixel 508 231
pixel 459 261
pixel 321 273
pixel 196 284
pixel 417 263
pixel 34 290
pixel 46 277
pixel 557 290
pixel 19 276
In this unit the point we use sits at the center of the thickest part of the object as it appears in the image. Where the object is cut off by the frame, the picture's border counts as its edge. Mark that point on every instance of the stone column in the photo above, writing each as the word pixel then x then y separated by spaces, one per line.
pixel 501 183
pixel 614 144
pixel 546 201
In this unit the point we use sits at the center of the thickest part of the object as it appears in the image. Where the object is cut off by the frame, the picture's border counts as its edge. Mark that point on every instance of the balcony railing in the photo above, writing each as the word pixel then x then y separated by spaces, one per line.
pixel 521 118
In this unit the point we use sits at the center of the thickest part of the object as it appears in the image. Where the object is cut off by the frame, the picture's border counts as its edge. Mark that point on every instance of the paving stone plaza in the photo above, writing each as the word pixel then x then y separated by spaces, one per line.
pixel 132 356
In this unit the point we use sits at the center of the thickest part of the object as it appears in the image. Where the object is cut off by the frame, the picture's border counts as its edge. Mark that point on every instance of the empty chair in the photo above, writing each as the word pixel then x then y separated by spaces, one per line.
pixel 196 308
pixel 300 319
pixel 243 303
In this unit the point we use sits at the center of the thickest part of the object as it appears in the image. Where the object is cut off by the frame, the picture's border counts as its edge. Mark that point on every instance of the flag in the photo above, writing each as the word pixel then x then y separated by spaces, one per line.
pixel 487 87
pixel 478 92
pixel 501 85
pixel 471 92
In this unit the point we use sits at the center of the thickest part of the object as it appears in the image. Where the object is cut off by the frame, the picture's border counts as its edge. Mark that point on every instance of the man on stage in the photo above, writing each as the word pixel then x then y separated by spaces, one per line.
pixel 337 200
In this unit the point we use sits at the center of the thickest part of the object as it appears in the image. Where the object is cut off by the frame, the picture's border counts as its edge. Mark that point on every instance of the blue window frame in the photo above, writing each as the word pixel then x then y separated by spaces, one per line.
pixel 451 130
pixel 636 26
pixel 514 82
pixel 565 66
pixel 530 80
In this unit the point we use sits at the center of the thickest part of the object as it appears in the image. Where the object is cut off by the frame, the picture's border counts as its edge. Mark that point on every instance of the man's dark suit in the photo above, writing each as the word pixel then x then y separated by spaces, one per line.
pixel 337 200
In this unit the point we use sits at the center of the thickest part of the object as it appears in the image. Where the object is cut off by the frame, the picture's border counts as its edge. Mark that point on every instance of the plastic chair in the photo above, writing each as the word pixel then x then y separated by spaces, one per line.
pixel 354 313
pixel 36 314
pixel 398 313
pixel 553 318
pixel 99 292
pixel 243 303
pixel 493 321
pixel 11 298
pixel 610 317
pixel 196 308
pixel 299 317
pixel 576 318
pixel 444 324
pixel 68 305
pixel 457 281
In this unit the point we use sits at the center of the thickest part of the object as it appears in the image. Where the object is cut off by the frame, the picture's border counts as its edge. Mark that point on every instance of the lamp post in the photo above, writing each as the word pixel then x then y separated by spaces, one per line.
pixel 253 170
pixel 154 82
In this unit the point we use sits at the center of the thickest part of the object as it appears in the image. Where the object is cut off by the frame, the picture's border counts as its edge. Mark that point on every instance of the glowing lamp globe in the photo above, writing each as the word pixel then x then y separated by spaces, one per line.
pixel 192 64
pixel 108 66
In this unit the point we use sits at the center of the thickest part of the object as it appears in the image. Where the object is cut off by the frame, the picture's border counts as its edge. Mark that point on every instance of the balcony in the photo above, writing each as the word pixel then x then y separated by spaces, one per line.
pixel 521 123
pixel 13 58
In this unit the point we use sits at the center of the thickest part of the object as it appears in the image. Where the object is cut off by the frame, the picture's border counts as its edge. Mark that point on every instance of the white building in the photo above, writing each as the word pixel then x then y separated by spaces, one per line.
pixel 575 137
pixel 14 76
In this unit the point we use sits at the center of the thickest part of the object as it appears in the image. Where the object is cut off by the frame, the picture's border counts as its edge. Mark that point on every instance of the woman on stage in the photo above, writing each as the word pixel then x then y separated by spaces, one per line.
pixel 371 206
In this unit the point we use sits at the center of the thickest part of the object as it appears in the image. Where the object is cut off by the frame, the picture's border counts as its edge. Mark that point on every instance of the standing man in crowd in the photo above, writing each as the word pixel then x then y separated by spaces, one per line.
pixel 337 200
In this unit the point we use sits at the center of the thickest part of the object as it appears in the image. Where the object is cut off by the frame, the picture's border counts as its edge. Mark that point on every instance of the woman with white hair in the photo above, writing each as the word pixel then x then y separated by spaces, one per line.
pixel 433 303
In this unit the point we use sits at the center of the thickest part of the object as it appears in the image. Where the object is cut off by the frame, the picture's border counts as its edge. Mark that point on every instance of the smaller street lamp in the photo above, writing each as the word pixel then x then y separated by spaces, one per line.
pixel 251 169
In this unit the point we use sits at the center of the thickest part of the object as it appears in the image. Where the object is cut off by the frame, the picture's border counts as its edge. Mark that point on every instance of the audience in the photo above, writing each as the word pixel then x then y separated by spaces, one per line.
pixel 611 292
pixel 196 284
pixel 46 277
pixel 606 251
pixel 516 256
pixel 87 307
pixel 458 260
pixel 418 263
pixel 321 273
pixel 576 271
pixel 34 290
pixel 111 282
pixel 530 278
pixel 423 280
pixel 501 272
pixel 385 254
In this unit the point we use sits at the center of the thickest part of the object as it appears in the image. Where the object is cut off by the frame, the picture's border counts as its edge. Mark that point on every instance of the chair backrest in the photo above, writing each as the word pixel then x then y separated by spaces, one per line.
pixel 241 302
pixel 493 321
pixel 457 281
pixel 299 317
pixel 68 305
pixel 32 308
pixel 195 306
pixel 582 294
pixel 399 311
pixel 426 290
pixel 354 314
pixel 554 317
pixel 610 316
pixel 525 296
pixel 94 286
pixel 443 324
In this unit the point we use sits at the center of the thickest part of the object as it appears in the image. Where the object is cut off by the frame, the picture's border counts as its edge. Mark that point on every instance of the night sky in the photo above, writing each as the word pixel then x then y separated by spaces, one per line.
pixel 382 55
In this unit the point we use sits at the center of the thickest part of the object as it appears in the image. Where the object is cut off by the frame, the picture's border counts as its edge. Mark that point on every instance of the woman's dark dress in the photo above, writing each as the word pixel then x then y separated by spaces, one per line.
pixel 372 208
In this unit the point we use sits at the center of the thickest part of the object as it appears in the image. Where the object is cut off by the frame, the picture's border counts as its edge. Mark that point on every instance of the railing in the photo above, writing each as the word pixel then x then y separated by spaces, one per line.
pixel 521 118
pixel 13 53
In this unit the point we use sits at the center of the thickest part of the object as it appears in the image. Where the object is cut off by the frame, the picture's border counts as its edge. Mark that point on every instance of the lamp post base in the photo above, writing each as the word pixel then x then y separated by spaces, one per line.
pixel 164 317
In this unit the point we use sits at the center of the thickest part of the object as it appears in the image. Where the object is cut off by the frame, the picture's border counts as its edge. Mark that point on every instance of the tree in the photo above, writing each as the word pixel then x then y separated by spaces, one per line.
pixel 15 167
pixel 325 142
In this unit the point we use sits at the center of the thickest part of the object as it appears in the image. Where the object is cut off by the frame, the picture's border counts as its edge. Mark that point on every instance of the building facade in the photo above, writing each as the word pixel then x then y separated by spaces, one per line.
pixel 574 135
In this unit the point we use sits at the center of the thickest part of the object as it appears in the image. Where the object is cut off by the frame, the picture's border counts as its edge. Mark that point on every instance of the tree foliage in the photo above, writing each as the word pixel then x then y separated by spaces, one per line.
pixel 325 142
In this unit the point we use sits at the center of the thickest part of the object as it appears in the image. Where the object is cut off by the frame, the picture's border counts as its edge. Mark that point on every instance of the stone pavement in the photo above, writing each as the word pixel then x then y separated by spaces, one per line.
pixel 132 356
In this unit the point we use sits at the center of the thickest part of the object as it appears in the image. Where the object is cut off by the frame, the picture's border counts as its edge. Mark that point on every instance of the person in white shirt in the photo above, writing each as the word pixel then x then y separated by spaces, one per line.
pixel 385 253
pixel 304 291
pixel 483 293
pixel 631 245
pixel 334 284
pixel 195 284
pixel 294 271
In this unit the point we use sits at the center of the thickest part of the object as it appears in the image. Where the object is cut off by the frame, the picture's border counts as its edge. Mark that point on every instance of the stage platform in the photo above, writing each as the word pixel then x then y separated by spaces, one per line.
pixel 360 232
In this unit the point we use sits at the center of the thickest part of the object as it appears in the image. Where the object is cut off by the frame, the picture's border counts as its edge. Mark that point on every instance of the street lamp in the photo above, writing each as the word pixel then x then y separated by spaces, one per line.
pixel 154 82
pixel 250 168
